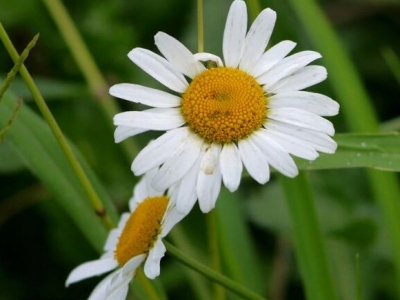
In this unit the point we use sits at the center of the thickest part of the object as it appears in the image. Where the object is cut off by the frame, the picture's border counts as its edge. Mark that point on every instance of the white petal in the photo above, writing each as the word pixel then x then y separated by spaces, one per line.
pixel 120 293
pixel 100 292
pixel 320 141
pixel 178 55
pixel 179 163
pixel 301 118
pixel 302 79
pixel 157 151
pixel 159 68
pixel 276 155
pixel 91 268
pixel 235 34
pixel 205 57
pixel 147 96
pixel 273 56
pixel 171 218
pixel 254 160
pixel 209 180
pixel 186 195
pixel 315 103
pixel 112 240
pixel 153 119
pixel 152 264
pixel 131 265
pixel 144 189
pixel 257 39
pixel 118 286
pixel 231 166
pixel 286 67
pixel 293 145
pixel 123 132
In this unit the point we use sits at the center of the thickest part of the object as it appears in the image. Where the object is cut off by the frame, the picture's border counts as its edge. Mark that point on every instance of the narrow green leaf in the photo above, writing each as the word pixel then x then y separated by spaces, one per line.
pixel 378 151
pixel 310 245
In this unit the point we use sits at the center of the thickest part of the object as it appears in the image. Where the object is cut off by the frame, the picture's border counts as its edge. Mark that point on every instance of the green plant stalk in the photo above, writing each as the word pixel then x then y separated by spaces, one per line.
pixel 87 65
pixel 200 26
pixel 309 242
pixel 80 173
pixel 7 82
pixel 358 269
pixel 211 274
pixel 254 9
pixel 212 229
pixel 357 109
pixel 200 287
pixel 17 65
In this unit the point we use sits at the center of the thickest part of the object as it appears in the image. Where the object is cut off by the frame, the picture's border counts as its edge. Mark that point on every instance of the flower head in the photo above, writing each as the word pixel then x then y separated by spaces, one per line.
pixel 220 116
pixel 137 238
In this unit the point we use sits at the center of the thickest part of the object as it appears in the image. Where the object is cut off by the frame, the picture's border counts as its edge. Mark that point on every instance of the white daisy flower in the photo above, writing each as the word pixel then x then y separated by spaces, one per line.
pixel 137 238
pixel 248 110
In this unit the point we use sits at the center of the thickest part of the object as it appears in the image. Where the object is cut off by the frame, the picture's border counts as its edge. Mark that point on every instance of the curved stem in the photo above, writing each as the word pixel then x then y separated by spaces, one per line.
pixel 211 274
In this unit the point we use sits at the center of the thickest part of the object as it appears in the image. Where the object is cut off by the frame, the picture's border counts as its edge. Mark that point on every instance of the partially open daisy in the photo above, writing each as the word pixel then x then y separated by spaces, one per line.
pixel 249 111
pixel 137 238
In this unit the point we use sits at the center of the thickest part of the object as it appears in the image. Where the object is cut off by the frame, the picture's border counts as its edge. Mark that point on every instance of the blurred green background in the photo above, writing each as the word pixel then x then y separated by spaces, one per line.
pixel 39 244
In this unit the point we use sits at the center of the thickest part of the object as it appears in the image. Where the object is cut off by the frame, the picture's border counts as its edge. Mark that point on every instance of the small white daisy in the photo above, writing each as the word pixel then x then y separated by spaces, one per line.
pixel 247 111
pixel 137 238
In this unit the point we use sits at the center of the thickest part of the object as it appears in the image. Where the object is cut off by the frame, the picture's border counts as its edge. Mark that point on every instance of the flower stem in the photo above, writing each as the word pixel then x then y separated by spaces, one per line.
pixel 212 229
pixel 357 109
pixel 80 173
pixel 200 26
pixel 211 274
pixel 309 243
pixel 87 65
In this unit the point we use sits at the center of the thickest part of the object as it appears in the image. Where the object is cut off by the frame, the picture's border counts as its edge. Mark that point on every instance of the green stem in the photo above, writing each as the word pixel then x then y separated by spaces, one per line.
pixel 80 173
pixel 17 66
pixel 212 229
pixel 254 9
pixel 211 274
pixel 87 65
pixel 7 82
pixel 309 242
pixel 198 282
pixel 357 109
pixel 358 270
pixel 200 26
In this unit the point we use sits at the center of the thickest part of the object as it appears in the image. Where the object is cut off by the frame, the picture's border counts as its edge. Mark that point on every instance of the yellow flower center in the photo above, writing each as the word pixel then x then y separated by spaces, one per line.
pixel 224 105
pixel 141 229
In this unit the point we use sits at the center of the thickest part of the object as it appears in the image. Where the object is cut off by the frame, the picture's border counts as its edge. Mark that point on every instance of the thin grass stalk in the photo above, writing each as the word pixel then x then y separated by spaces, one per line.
pixel 87 66
pixel 357 109
pixel 44 109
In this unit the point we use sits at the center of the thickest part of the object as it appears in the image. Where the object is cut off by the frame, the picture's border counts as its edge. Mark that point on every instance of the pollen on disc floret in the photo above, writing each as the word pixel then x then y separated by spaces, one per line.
pixel 141 229
pixel 224 105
